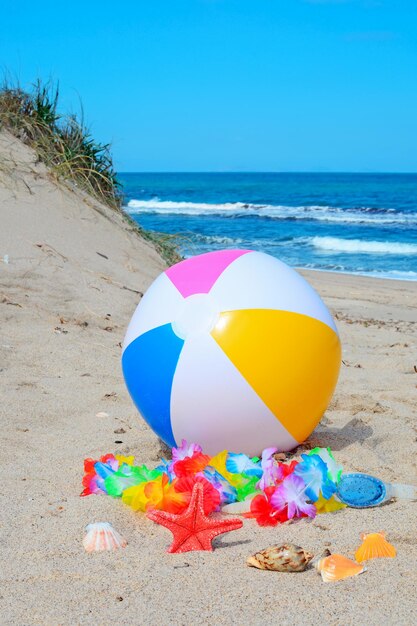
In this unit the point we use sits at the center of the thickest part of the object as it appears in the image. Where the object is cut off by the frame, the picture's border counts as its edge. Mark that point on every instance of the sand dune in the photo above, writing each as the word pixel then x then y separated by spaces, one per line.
pixel 74 275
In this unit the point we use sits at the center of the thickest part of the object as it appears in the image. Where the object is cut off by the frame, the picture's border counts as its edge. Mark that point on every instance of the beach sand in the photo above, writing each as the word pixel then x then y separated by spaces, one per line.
pixel 67 294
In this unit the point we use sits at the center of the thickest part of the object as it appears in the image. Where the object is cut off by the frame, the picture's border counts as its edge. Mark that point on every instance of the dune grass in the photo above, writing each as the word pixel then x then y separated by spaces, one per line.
pixel 63 142
pixel 66 146
pixel 166 244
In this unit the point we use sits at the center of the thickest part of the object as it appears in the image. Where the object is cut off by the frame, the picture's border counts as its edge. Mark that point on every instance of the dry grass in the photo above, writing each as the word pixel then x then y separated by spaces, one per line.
pixel 65 145
pixel 62 142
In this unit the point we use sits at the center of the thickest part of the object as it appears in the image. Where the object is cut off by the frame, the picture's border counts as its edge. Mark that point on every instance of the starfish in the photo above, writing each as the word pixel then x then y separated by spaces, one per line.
pixel 192 529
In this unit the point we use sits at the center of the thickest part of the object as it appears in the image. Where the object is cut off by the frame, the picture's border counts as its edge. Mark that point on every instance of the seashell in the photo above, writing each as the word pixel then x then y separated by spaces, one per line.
pixel 323 555
pixel 336 567
pixel 374 546
pixel 285 558
pixel 102 536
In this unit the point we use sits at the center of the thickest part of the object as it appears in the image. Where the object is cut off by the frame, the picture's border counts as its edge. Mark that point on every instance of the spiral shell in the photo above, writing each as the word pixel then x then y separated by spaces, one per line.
pixel 285 558
pixel 336 567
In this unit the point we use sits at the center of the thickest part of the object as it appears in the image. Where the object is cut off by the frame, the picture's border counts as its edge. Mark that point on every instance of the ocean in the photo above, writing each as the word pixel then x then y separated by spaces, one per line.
pixel 355 223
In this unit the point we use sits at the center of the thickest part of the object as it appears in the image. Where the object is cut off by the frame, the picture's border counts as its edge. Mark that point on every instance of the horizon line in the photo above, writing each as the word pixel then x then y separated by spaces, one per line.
pixel 407 173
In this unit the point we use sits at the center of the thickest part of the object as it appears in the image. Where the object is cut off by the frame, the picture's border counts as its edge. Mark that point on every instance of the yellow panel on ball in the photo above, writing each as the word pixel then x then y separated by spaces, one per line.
pixel 291 360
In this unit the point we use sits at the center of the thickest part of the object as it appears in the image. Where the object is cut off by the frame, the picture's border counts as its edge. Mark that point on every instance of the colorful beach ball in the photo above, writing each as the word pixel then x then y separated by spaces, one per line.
pixel 234 350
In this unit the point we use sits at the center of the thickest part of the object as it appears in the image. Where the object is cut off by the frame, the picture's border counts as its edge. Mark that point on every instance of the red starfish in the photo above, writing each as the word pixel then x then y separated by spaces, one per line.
pixel 192 529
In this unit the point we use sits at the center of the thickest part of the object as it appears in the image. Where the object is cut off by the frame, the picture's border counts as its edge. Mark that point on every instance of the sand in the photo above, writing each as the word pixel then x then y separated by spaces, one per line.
pixel 75 269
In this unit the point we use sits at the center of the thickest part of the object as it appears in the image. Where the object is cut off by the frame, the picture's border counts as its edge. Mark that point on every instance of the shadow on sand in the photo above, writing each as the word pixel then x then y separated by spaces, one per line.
pixel 338 438
pixel 219 543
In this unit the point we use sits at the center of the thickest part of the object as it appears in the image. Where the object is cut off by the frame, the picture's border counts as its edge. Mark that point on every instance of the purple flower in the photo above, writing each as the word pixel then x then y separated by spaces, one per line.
pixel 271 472
pixel 291 494
pixel 185 450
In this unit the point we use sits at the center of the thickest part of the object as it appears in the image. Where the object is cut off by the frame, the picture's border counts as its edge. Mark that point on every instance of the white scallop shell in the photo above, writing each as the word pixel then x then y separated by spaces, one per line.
pixel 102 536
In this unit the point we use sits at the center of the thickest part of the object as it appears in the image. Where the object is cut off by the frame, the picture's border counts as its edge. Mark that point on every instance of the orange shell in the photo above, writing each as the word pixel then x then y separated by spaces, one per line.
pixel 336 567
pixel 374 546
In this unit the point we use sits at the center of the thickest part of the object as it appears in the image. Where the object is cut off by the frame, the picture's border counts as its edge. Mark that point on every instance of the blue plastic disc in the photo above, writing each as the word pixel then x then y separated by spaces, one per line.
pixel 361 490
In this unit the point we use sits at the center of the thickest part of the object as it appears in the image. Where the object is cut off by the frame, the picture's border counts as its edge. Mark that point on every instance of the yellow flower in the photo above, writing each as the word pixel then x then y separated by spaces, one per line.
pixel 155 494
pixel 125 459
pixel 328 506
pixel 218 462
pixel 162 495
pixel 135 497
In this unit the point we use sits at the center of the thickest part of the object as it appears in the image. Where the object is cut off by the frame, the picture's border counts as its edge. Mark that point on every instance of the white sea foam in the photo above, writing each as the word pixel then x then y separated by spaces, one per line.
pixel 396 274
pixel 361 215
pixel 330 244
pixel 219 240
pixel 391 274
pixel 352 246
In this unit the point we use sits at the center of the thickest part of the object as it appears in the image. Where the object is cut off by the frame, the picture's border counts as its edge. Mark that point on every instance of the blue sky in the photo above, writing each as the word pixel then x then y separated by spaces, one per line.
pixel 230 85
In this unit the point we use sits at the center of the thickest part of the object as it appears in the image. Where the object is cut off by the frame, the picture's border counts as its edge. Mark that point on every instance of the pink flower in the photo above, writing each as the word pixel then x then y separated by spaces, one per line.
pixel 185 450
pixel 272 474
pixel 291 494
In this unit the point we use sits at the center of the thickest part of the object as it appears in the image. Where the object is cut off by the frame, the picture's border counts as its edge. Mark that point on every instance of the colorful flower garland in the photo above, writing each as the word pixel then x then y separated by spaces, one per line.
pixel 278 492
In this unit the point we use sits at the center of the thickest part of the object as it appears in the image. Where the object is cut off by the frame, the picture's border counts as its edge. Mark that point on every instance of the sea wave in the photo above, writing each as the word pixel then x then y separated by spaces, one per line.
pixel 358 215
pixel 328 244
pixel 390 274
pixel 219 240
pixel 359 246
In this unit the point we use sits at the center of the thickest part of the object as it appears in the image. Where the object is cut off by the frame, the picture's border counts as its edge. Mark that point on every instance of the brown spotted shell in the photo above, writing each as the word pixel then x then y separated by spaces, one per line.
pixel 285 558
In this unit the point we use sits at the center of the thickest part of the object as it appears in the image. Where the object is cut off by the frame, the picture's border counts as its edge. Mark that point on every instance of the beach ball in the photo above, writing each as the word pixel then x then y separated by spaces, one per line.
pixel 232 350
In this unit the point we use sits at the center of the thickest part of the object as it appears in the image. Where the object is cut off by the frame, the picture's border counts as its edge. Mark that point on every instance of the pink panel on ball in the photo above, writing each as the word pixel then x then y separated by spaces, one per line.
pixel 198 274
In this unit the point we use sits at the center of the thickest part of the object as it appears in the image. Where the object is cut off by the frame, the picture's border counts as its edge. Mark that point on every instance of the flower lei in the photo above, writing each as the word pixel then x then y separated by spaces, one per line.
pixel 277 492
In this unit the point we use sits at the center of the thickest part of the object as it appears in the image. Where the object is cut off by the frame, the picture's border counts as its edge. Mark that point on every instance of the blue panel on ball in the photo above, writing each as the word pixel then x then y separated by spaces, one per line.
pixel 149 364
